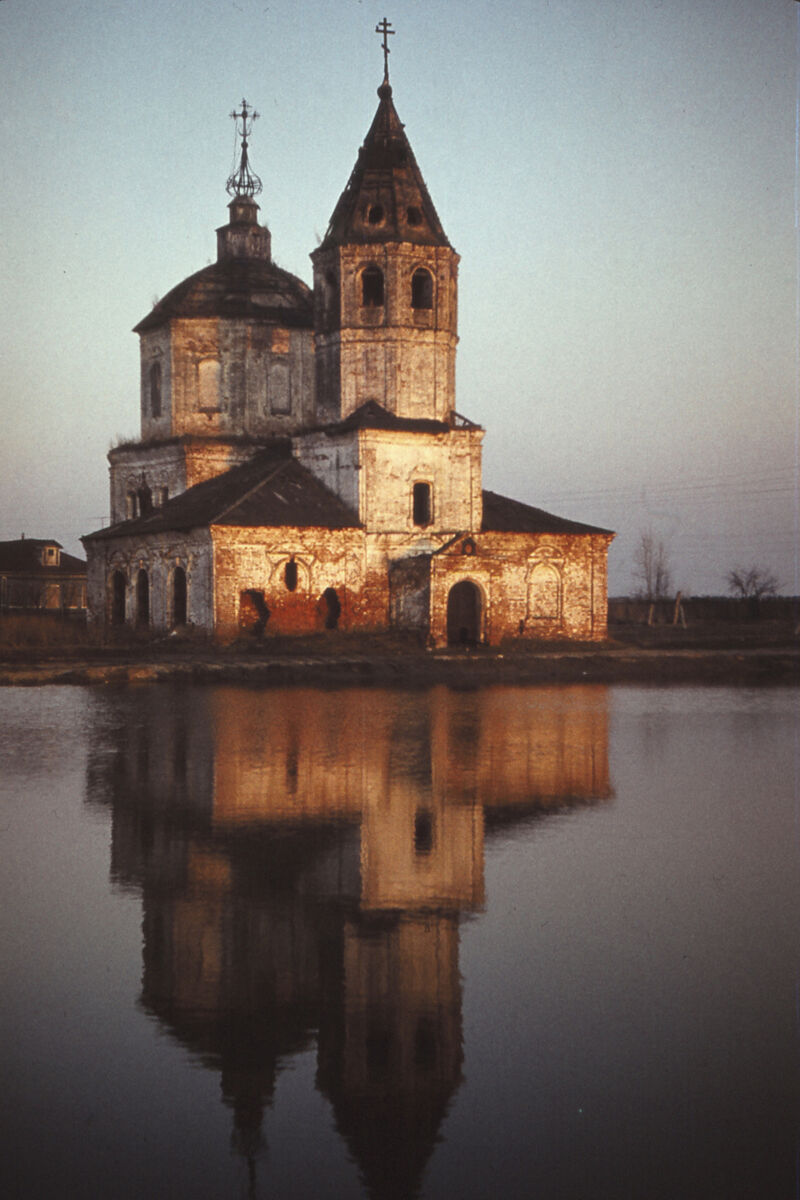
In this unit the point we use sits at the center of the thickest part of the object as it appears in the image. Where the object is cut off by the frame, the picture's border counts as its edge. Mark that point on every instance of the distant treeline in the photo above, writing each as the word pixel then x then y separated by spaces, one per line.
pixel 702 609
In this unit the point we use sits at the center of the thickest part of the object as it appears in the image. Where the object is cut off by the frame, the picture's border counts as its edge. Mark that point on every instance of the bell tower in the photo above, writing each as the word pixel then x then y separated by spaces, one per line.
pixel 385 285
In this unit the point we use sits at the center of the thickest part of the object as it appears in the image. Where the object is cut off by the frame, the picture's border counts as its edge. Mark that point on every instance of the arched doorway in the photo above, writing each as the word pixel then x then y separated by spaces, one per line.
pixel 254 612
pixel 333 608
pixel 142 598
pixel 464 614
pixel 178 597
pixel 118 588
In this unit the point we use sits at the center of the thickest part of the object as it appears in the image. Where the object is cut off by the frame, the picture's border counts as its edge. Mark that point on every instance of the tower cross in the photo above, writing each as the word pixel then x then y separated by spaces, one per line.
pixel 244 182
pixel 246 116
pixel 385 28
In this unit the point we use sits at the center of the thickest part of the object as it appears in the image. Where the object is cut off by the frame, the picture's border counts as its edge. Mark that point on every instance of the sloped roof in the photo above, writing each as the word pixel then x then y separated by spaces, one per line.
pixel 502 515
pixel 24 554
pixel 236 287
pixel 385 174
pixel 272 489
pixel 373 415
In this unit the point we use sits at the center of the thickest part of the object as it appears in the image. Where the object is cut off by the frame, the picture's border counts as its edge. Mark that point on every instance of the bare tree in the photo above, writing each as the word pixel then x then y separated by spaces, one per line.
pixel 651 568
pixel 751 583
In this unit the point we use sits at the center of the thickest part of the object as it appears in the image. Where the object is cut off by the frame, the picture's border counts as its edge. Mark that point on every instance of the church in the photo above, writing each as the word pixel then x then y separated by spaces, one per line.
pixel 302 465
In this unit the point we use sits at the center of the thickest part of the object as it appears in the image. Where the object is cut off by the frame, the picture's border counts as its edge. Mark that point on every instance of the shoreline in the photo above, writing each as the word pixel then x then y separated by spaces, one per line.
pixel 410 666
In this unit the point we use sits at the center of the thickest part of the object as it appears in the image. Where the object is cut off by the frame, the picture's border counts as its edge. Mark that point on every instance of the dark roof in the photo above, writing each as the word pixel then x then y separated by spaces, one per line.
pixel 237 287
pixel 273 489
pixel 24 554
pixel 373 415
pixel 385 174
pixel 501 515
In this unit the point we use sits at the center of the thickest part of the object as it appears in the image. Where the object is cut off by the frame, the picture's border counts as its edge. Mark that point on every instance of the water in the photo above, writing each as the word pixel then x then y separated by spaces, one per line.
pixel 529 942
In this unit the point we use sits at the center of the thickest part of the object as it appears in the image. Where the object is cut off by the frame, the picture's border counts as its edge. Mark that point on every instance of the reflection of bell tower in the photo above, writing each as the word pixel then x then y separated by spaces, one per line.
pixel 385 285
pixel 390 1046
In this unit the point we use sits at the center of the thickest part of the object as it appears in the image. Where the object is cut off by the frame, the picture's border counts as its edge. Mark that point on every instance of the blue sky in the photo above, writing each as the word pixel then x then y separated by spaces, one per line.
pixel 619 179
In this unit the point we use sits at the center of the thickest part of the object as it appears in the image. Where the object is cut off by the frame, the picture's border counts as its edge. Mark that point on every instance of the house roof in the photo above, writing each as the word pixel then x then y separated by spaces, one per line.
pixel 502 515
pixel 270 490
pixel 236 287
pixel 385 176
pixel 24 555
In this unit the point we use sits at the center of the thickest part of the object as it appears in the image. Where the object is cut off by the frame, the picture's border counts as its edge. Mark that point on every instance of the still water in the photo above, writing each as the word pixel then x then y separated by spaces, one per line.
pixel 515 942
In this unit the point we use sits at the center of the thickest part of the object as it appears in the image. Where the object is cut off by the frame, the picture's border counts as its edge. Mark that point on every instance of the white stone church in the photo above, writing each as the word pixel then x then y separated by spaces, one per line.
pixel 302 465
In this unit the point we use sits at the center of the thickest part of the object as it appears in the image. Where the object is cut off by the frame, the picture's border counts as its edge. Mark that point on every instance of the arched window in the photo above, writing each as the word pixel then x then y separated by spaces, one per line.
pixel 279 386
pixel 118 587
pixel 422 289
pixel 145 501
pixel 421 504
pixel 142 598
pixel 290 575
pixel 423 831
pixel 375 214
pixel 208 381
pixel 330 300
pixel 179 596
pixel 544 592
pixel 372 287
pixel 155 389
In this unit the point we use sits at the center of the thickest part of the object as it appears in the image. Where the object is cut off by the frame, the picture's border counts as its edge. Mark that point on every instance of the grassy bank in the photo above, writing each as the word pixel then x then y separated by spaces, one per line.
pixel 752 653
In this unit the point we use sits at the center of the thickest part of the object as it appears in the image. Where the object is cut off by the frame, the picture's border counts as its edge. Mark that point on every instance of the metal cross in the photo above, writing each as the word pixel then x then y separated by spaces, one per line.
pixel 244 182
pixel 385 28
pixel 246 116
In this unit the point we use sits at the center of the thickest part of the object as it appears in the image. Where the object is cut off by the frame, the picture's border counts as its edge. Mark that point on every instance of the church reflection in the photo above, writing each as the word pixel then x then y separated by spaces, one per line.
pixel 305 858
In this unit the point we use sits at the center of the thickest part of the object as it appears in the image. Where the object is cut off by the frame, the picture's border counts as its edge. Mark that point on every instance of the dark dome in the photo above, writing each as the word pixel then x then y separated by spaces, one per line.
pixel 237 287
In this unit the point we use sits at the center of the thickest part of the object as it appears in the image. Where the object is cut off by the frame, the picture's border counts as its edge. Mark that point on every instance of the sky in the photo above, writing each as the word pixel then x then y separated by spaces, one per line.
pixel 619 178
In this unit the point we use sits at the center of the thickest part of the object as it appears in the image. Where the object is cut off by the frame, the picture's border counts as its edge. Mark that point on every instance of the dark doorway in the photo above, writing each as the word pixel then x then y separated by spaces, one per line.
pixel 463 614
pixel 142 599
pixel 253 611
pixel 118 588
pixel 333 607
pixel 179 597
